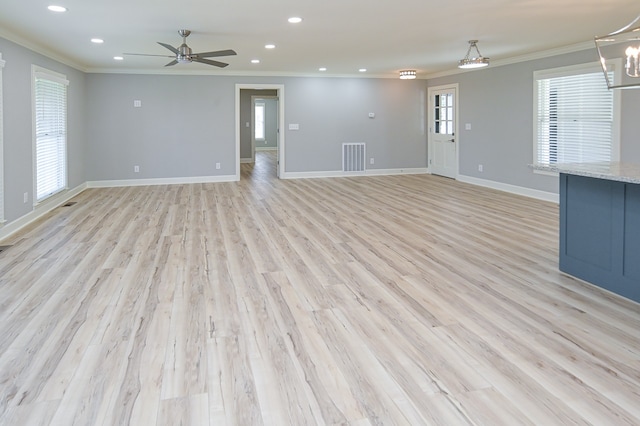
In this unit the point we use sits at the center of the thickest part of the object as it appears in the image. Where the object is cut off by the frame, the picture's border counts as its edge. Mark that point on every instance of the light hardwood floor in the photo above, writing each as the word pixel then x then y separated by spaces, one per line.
pixel 365 300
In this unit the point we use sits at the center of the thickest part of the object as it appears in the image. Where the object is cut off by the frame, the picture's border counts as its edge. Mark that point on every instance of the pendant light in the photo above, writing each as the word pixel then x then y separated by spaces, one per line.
pixel 471 62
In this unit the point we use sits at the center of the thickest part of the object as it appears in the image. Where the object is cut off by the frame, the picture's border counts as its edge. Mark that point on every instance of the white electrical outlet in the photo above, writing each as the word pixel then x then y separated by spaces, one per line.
pixel 26 197
pixel 217 166
pixel 371 160
pixel 136 169
pixel 137 103
pixel 480 168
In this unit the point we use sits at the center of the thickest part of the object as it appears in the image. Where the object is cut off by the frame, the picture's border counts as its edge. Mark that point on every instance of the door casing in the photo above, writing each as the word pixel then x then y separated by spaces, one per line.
pixel 281 140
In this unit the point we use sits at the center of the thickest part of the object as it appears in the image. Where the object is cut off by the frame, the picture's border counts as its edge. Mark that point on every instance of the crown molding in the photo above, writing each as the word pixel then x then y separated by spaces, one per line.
pixel 38 48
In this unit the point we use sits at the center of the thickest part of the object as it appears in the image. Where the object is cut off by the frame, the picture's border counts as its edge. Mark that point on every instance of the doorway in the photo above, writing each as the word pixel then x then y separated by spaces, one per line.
pixel 264 124
pixel 245 130
pixel 443 131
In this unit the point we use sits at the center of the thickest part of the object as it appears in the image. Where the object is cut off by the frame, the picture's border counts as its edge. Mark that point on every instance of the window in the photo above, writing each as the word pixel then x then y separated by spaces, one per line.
pixel 443 114
pixel 50 123
pixel 1 148
pixel 576 117
pixel 259 121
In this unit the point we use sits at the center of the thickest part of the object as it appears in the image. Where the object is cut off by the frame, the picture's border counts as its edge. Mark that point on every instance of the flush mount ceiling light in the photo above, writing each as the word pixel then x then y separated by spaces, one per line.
pixel 471 62
pixel 407 74
pixel 58 9
pixel 269 46
pixel 255 61
pixel 622 44
pixel 118 58
pixel 294 20
pixel 97 40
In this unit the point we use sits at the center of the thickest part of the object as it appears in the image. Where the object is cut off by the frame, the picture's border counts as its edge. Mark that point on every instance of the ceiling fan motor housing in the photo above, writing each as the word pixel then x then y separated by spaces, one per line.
pixel 184 54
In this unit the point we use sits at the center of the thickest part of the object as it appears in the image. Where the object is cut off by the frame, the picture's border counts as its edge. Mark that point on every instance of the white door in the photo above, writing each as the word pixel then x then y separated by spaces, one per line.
pixel 443 146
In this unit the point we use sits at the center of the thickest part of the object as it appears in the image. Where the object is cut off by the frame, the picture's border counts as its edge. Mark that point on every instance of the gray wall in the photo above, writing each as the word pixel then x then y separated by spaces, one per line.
pixel 498 103
pixel 271 124
pixel 186 123
pixel 331 111
pixel 18 138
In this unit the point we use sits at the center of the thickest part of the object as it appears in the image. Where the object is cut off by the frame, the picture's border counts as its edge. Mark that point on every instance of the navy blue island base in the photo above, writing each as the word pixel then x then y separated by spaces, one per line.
pixel 600 232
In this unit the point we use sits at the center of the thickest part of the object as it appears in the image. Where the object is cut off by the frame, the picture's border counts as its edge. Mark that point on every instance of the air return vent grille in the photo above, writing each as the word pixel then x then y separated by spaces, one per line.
pixel 353 157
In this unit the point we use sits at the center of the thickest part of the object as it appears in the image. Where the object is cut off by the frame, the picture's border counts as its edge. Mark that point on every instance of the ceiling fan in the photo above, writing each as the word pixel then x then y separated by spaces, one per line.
pixel 184 55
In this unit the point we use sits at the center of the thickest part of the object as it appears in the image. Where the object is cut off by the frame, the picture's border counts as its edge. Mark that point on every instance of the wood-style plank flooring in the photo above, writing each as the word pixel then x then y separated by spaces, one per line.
pixel 364 300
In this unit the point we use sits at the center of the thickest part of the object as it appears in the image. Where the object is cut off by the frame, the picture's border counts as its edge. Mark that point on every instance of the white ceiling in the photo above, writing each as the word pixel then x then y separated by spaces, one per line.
pixel 342 35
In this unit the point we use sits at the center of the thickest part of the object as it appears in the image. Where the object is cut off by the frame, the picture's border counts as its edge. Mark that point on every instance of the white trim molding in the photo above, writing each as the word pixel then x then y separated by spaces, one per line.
pixel 160 181
pixel 340 173
pixel 513 189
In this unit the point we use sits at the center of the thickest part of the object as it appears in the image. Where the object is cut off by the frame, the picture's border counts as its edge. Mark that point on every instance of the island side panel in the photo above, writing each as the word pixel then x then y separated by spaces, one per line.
pixel 599 232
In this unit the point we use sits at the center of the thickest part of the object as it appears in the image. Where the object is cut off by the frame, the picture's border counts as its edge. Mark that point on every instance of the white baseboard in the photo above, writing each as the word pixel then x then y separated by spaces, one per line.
pixel 40 210
pixel 160 181
pixel 266 148
pixel 513 189
pixel 340 173
pixel 246 160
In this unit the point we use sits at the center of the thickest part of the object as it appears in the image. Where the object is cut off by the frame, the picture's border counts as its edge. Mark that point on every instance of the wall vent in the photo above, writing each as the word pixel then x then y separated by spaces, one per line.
pixel 353 157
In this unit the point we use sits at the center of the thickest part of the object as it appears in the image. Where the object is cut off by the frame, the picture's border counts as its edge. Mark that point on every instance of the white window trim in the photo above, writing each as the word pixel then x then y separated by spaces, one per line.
pixel 40 72
pixel 2 219
pixel 615 66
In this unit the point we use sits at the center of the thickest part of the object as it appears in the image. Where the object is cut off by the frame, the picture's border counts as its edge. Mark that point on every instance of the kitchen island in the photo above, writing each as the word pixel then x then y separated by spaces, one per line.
pixel 600 224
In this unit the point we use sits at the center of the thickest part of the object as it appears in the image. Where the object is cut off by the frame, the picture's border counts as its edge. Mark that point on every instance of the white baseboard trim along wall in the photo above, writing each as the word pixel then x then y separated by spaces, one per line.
pixel 340 173
pixel 513 189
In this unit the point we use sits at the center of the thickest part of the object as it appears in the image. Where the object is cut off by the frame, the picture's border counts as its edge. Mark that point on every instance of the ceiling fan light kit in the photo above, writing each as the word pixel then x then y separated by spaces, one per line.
pixel 184 55
pixel 621 46
pixel 472 62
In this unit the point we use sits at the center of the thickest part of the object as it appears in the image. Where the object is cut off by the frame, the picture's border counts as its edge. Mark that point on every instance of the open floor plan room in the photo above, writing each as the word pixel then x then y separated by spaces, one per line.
pixel 408 299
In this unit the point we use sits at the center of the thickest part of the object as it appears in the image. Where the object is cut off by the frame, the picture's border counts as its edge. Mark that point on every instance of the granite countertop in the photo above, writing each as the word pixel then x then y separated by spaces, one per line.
pixel 618 171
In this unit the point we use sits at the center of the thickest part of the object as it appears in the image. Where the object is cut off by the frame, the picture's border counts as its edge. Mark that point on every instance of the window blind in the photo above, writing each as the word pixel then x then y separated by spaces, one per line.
pixel 575 119
pixel 51 135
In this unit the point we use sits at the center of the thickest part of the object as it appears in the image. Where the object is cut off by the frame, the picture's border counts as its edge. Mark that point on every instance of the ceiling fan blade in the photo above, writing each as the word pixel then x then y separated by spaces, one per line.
pixel 144 54
pixel 168 46
pixel 210 62
pixel 171 63
pixel 227 52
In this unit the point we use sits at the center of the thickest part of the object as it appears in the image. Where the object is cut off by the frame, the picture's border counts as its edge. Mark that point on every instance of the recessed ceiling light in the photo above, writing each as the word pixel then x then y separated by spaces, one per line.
pixel 118 58
pixel 362 70
pixel 295 20
pixel 255 61
pixel 269 46
pixel 322 69
pixel 97 40
pixel 55 8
